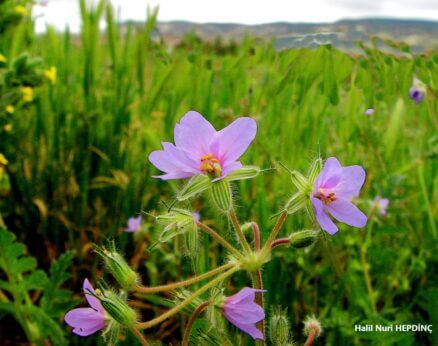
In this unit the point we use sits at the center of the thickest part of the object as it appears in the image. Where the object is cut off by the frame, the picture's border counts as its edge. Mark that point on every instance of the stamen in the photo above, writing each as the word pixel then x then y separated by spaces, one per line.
pixel 210 165
pixel 325 198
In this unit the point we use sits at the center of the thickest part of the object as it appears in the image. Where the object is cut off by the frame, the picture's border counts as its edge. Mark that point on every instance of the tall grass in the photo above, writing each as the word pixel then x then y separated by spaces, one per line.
pixel 79 160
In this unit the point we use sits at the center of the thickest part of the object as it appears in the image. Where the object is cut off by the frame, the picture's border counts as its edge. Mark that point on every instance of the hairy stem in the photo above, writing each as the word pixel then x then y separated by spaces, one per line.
pixel 192 319
pixel 235 222
pixel 219 239
pixel 281 241
pixel 179 307
pixel 366 275
pixel 310 339
pixel 143 289
pixel 257 283
pixel 256 234
pixel 266 248
pixel 140 337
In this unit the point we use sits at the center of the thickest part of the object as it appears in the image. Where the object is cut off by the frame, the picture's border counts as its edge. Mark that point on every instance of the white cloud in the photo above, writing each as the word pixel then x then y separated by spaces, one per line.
pixel 65 12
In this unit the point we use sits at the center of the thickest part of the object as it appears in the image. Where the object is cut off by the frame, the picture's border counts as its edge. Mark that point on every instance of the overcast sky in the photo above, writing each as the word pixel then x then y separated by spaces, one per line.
pixel 61 13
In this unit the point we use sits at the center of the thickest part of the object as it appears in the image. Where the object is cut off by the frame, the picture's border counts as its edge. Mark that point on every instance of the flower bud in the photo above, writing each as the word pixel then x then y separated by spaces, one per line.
pixel 297 202
pixel 299 180
pixel 118 309
pixel 221 195
pixel 247 172
pixel 196 185
pixel 119 268
pixel 312 325
pixel 303 238
pixel 177 221
pixel 314 170
pixel 279 328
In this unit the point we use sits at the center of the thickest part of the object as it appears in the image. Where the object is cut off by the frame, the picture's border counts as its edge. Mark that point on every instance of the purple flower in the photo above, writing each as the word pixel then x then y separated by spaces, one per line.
pixel 134 224
pixel 369 111
pixel 417 91
pixel 381 204
pixel 243 312
pixel 333 191
pixel 200 149
pixel 87 321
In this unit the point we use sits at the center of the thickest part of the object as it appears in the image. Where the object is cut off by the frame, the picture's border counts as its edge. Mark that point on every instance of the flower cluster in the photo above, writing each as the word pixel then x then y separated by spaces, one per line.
pixel 210 160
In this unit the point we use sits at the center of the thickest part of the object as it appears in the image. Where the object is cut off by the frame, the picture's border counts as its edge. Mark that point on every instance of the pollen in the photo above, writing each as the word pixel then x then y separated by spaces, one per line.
pixel 324 197
pixel 210 165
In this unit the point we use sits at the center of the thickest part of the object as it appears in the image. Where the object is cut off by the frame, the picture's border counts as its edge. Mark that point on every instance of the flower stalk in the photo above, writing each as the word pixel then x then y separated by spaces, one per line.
pixel 218 238
pixel 179 307
pixel 172 286
pixel 235 222
pixel 192 319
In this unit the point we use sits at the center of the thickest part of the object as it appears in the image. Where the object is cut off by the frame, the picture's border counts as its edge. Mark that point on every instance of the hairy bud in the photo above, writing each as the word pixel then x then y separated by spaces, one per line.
pixel 118 309
pixel 303 238
pixel 312 325
pixel 221 195
pixel 247 172
pixel 177 221
pixel 119 268
pixel 196 185
pixel 279 328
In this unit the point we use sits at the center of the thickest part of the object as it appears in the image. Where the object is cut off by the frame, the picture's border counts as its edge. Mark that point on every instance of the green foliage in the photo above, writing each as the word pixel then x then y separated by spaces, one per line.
pixel 22 280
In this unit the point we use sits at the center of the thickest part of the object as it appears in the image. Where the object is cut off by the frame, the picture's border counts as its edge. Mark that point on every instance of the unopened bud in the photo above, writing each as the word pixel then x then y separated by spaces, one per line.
pixel 221 195
pixel 299 180
pixel 279 328
pixel 118 309
pixel 247 172
pixel 314 170
pixel 312 325
pixel 177 221
pixel 297 202
pixel 119 268
pixel 303 238
pixel 196 185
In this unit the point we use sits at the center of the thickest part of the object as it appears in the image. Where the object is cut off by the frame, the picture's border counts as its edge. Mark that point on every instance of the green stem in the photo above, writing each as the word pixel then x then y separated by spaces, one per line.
pixel 235 222
pixel 140 337
pixel 178 308
pixel 267 247
pixel 143 289
pixel 219 239
pixel 366 274
pixel 192 319
pixel 257 283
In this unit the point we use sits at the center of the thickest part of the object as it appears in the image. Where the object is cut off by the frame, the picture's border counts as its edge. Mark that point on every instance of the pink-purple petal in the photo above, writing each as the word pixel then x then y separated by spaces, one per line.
pixel 230 143
pixel 85 321
pixel 348 213
pixel 353 178
pixel 330 174
pixel 323 219
pixel 194 134
pixel 250 329
pixel 92 301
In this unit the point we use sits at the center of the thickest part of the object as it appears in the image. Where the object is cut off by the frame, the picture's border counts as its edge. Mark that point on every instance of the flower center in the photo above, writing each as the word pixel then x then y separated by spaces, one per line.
pixel 324 197
pixel 210 165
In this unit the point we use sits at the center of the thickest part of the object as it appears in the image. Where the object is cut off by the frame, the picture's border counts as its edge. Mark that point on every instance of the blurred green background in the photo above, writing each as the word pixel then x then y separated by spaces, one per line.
pixel 78 165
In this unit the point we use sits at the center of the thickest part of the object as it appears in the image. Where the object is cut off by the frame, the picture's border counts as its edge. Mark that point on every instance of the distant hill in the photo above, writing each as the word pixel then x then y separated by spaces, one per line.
pixel 419 34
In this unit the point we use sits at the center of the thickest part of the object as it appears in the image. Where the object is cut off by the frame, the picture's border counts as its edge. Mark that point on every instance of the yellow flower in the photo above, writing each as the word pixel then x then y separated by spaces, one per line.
pixel 10 109
pixel 19 9
pixel 3 58
pixel 3 163
pixel 51 74
pixel 8 127
pixel 27 93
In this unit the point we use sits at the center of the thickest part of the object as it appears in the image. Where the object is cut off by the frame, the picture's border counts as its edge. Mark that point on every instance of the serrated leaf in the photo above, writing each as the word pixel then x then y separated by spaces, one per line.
pixel 35 280
pixel 25 264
